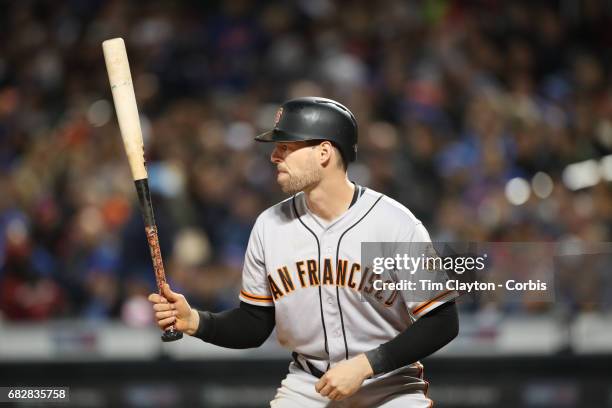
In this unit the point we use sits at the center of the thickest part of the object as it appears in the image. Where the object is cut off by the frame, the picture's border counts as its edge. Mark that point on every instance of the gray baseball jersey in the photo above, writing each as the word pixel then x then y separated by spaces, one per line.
pixel 310 271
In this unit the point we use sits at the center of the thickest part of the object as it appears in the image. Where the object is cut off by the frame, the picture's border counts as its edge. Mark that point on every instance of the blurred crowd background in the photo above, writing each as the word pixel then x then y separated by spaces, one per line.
pixel 490 120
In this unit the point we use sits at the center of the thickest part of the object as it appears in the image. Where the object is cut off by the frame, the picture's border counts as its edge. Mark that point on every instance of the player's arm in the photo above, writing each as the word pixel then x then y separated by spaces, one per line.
pixel 423 338
pixel 430 333
pixel 436 325
pixel 246 326
pixel 243 327
pixel 437 321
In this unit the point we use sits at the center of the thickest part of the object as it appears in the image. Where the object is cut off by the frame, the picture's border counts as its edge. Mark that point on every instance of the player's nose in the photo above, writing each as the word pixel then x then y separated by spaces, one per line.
pixel 276 157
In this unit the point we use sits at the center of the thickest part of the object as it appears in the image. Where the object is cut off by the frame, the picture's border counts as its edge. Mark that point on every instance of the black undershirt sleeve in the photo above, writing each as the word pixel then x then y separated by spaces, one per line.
pixel 246 326
pixel 426 336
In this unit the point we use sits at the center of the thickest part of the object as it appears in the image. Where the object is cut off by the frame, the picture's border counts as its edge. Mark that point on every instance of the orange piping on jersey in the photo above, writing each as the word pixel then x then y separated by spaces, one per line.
pixel 256 298
pixel 424 306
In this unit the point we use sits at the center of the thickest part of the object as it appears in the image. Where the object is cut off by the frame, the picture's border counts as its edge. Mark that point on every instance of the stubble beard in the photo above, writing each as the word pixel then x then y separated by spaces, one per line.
pixel 310 177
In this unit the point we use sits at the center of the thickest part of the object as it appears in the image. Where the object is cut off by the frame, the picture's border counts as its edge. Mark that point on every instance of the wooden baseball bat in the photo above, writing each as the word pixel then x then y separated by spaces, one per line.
pixel 122 88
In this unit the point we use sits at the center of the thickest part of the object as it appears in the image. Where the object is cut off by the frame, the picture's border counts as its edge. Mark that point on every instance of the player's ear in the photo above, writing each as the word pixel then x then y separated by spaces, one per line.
pixel 325 152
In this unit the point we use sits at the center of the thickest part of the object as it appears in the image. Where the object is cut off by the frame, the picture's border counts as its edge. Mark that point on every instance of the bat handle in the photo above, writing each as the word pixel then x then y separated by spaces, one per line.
pixel 170 333
pixel 142 187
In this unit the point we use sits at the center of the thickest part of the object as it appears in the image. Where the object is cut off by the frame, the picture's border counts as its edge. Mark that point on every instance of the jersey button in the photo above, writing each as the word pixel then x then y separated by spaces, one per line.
pixel 330 300
pixel 338 333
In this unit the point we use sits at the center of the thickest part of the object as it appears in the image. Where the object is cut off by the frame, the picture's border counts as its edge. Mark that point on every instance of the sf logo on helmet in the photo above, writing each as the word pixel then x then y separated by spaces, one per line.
pixel 278 115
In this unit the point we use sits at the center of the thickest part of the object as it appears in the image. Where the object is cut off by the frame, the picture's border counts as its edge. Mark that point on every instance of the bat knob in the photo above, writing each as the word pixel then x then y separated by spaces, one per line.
pixel 171 335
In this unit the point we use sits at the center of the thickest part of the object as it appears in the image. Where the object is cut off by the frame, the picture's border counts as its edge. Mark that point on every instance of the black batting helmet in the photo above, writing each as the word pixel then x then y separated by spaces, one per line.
pixel 314 118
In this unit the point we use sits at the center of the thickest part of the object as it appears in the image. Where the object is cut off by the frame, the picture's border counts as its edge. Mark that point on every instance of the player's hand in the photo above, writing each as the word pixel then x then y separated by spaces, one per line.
pixel 172 309
pixel 345 378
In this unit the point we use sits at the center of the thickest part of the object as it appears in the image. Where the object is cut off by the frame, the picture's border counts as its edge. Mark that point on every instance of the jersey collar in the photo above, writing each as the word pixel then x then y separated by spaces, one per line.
pixel 357 205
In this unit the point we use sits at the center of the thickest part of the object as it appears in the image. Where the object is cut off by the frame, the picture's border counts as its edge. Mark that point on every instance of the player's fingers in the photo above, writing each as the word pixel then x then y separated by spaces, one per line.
pixel 165 315
pixel 162 307
pixel 320 384
pixel 166 322
pixel 169 294
pixel 341 395
pixel 326 390
pixel 156 298
pixel 334 395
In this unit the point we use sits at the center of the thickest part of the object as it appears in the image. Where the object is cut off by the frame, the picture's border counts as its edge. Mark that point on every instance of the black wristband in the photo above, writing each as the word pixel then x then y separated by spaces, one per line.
pixel 204 331
pixel 378 361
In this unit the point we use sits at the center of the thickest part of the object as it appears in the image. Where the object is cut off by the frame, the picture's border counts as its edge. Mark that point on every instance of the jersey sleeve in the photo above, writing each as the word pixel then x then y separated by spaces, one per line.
pixel 255 289
pixel 425 298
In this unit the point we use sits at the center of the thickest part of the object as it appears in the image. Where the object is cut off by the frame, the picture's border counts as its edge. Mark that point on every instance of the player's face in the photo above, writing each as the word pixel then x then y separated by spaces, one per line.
pixel 297 167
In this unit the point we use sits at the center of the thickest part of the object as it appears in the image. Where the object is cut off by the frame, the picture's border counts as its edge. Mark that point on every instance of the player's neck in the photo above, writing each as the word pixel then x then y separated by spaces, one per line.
pixel 331 197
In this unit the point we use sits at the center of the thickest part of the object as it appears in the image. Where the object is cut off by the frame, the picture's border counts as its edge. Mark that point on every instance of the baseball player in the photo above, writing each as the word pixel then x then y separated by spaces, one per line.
pixel 353 345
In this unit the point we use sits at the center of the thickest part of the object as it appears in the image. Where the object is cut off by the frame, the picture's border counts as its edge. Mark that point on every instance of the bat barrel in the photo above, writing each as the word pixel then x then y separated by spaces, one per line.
pixel 120 78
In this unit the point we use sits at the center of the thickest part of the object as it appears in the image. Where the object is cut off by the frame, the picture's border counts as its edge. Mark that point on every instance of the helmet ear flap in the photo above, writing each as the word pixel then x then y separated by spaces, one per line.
pixel 342 154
